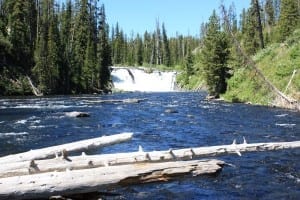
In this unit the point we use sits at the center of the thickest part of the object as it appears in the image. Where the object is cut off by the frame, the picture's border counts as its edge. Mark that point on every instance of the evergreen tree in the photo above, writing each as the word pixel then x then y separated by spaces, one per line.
pixel 270 19
pixel 131 54
pixel 66 35
pixel 158 45
pixel 188 67
pixel 166 52
pixel 81 36
pixel 139 50
pixel 40 69
pixel 214 57
pixel 89 68
pixel 22 31
pixel 5 45
pixel 118 46
pixel 250 34
pixel 47 49
pixel 289 18
pixel 147 47
pixel 269 8
pixel 104 52
pixel 259 23
pixel 54 61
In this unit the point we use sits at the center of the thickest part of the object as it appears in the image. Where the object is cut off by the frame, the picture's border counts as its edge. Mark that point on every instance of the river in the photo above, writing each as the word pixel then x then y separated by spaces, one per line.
pixel 29 123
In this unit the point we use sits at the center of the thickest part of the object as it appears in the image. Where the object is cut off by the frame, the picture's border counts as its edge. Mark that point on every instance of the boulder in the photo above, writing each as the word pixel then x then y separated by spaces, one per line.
pixel 77 114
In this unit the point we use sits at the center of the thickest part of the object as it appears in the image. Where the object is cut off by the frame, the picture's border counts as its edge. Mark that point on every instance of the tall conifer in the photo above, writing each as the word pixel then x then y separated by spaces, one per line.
pixel 214 57
pixel 289 18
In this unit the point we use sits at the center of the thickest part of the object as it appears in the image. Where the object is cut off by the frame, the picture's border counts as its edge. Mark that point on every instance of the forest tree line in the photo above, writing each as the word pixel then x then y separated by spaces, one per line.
pixel 68 48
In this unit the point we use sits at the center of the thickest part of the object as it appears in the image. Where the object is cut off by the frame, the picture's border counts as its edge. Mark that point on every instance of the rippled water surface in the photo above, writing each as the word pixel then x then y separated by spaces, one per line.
pixel 31 123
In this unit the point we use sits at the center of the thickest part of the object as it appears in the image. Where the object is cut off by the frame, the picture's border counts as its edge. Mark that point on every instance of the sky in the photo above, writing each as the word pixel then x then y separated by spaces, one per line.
pixel 182 16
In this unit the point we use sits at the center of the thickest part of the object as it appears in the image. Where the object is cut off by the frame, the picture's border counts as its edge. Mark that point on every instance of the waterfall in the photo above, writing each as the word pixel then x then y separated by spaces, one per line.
pixel 139 79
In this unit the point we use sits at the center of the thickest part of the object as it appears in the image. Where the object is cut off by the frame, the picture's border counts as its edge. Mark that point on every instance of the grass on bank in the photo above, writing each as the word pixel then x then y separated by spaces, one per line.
pixel 277 62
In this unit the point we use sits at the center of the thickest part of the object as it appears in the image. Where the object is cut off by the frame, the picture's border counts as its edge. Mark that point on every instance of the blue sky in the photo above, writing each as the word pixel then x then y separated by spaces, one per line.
pixel 182 16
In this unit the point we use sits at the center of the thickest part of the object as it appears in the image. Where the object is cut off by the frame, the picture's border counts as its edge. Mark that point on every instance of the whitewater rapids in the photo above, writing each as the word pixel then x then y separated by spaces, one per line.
pixel 138 79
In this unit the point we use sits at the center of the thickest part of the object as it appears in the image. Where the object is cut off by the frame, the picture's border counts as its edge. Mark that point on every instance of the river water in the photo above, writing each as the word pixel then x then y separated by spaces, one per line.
pixel 29 123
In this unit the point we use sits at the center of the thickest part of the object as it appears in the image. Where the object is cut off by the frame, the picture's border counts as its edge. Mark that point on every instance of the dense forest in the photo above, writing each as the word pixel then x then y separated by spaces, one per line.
pixel 68 48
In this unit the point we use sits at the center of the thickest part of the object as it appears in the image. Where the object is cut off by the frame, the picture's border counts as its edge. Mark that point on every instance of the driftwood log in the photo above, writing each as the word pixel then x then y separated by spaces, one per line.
pixel 93 161
pixel 23 176
pixel 89 180
pixel 55 151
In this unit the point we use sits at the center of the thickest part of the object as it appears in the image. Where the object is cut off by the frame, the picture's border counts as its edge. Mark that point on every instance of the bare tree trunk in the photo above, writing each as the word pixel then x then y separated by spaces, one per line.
pixel 85 162
pixel 53 151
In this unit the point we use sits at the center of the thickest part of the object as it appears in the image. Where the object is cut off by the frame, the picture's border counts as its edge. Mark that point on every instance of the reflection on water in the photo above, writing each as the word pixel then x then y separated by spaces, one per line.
pixel 163 121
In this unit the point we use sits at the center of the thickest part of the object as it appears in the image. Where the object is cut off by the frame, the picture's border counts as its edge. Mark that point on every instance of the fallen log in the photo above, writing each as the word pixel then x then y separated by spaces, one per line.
pixel 55 151
pixel 34 89
pixel 89 180
pixel 85 161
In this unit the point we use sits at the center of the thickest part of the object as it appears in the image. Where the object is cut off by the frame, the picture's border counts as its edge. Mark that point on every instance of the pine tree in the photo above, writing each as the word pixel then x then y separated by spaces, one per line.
pixel 249 30
pixel 82 32
pixel 66 35
pixel 118 46
pixel 130 56
pixel 158 45
pixel 147 48
pixel 166 52
pixel 40 69
pixel 270 19
pixel 289 18
pixel 47 49
pixel 214 57
pixel 5 45
pixel 259 23
pixel 22 32
pixel 269 8
pixel 89 68
pixel 139 50
pixel 104 52
pixel 188 67
pixel 54 48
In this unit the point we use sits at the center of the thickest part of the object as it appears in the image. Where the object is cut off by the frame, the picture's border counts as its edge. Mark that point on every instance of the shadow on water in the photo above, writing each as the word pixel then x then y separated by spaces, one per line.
pixel 163 121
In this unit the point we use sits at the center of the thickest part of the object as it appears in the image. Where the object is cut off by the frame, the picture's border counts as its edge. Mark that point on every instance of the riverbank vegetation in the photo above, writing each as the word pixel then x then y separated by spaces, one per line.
pixel 68 48
pixel 264 50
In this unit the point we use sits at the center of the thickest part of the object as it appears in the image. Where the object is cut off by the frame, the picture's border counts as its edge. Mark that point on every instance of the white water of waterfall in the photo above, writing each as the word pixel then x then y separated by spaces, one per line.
pixel 136 79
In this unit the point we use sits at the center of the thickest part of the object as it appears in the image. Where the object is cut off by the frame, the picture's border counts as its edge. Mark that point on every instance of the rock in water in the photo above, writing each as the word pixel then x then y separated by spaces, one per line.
pixel 77 114
pixel 169 110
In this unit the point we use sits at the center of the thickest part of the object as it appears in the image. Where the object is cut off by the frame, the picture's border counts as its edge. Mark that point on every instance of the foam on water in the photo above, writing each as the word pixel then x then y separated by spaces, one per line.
pixel 286 125
pixel 22 121
pixel 13 134
pixel 281 115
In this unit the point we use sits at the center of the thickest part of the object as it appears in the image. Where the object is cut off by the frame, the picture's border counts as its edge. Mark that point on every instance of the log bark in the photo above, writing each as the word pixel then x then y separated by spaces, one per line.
pixel 89 180
pixel 53 151
pixel 84 161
